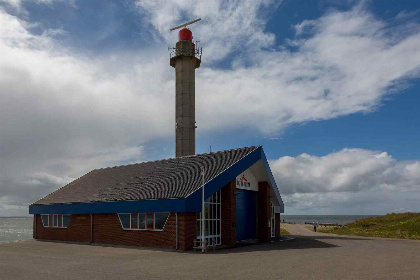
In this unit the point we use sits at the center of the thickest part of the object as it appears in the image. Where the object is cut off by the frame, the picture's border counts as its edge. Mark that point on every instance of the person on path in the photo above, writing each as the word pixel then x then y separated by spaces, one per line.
pixel 315 225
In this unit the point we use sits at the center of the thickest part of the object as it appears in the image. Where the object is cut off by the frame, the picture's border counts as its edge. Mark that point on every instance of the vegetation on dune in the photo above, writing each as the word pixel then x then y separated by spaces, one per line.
pixel 284 232
pixel 404 225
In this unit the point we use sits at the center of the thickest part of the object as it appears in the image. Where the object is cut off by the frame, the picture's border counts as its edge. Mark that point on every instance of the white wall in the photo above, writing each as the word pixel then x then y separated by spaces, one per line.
pixel 247 181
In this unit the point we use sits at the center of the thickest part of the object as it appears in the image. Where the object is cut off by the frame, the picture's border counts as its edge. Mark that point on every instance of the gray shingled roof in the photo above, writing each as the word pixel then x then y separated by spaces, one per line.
pixel 162 179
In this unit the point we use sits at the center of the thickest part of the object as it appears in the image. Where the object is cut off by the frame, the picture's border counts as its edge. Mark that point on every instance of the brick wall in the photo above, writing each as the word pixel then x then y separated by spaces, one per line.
pixel 277 224
pixel 107 229
pixel 264 213
pixel 228 230
pixel 77 231
pixel 187 229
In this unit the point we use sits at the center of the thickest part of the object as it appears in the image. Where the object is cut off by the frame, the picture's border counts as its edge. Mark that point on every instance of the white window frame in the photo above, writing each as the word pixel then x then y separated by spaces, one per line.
pixel 216 201
pixel 145 213
pixel 51 225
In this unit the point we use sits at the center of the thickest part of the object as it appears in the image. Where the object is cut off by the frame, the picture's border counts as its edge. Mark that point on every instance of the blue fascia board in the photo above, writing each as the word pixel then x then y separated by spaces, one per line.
pixel 272 181
pixel 161 205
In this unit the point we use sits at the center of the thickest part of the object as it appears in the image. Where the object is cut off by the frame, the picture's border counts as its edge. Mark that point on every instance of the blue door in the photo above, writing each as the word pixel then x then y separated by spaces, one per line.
pixel 245 215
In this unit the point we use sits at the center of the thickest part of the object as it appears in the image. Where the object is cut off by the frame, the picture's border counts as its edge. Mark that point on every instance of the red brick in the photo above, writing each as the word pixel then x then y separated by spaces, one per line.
pixel 228 230
pixel 264 213
pixel 77 231
pixel 277 224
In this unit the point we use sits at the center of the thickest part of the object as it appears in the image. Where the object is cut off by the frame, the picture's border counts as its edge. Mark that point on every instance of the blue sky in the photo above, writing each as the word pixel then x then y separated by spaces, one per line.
pixel 329 88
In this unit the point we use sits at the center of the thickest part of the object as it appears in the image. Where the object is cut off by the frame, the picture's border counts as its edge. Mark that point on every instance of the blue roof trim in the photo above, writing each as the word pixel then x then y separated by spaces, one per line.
pixel 190 204
pixel 272 181
pixel 161 205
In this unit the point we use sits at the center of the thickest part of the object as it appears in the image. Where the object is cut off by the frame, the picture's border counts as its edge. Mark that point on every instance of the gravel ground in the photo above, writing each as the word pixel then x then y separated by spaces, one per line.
pixel 309 256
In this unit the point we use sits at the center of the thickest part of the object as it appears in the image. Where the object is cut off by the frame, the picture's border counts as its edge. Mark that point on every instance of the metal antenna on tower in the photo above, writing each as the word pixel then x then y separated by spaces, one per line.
pixel 184 24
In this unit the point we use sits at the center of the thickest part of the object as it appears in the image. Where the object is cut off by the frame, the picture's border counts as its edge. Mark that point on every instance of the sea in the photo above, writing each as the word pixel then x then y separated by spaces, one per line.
pixel 20 228
pixel 15 229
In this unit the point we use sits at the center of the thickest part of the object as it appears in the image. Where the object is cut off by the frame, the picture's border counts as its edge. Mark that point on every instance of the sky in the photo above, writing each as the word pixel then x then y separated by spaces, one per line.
pixel 329 88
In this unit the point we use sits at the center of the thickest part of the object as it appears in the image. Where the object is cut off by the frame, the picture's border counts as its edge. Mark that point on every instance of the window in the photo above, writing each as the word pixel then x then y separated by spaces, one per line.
pixel 160 220
pixel 134 221
pixel 143 221
pixel 56 220
pixel 150 220
pixel 55 224
pixel 212 221
pixel 125 220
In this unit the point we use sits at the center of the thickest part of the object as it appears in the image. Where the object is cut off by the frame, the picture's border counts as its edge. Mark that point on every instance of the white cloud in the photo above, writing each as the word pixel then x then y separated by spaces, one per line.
pixel 63 115
pixel 226 26
pixel 353 181
pixel 350 62
pixel 14 3
pixel 349 170
pixel 17 4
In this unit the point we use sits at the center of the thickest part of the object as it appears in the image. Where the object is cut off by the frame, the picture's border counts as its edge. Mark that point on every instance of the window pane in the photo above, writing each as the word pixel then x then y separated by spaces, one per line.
pixel 214 211
pixel 125 220
pixel 50 220
pixel 55 220
pixel 149 221
pixel 44 220
pixel 160 220
pixel 60 220
pixel 66 220
pixel 206 211
pixel 134 221
pixel 214 228
pixel 142 221
pixel 206 225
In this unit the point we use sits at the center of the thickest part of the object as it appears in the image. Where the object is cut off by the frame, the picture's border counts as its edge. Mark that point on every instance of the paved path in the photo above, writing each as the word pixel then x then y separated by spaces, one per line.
pixel 305 230
pixel 309 256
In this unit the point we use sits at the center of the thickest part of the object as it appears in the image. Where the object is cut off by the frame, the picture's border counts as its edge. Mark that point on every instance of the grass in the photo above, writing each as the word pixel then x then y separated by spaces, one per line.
pixel 284 232
pixel 404 225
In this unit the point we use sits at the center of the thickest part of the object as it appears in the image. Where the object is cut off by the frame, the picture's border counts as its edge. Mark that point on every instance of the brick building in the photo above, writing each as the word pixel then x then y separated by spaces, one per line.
pixel 159 203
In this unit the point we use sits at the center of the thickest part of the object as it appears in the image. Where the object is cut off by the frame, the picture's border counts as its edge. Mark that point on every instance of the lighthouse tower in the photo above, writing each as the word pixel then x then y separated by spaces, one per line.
pixel 185 59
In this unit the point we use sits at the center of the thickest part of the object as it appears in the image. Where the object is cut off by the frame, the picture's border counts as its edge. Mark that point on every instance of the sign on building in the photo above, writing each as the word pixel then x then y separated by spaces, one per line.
pixel 247 181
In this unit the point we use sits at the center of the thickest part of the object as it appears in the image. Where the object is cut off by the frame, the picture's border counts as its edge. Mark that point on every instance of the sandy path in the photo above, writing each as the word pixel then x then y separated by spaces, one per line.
pixel 302 230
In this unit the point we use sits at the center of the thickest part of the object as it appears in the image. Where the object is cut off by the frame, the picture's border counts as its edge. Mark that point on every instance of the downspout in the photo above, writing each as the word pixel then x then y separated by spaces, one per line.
pixel 91 228
pixel 176 230
pixel 36 229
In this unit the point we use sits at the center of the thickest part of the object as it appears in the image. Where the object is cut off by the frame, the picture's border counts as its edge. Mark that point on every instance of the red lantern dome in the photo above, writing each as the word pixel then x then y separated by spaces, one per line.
pixel 185 34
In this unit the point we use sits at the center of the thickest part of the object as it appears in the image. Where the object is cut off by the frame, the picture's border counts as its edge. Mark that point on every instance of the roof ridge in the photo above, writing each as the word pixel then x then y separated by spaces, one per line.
pixel 143 162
